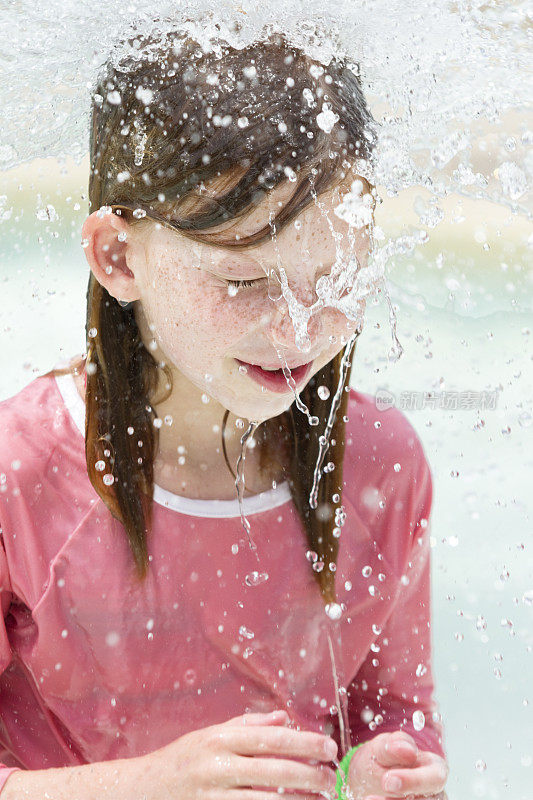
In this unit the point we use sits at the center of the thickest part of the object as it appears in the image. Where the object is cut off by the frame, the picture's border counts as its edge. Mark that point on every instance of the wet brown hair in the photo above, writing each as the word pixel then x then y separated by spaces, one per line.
pixel 165 131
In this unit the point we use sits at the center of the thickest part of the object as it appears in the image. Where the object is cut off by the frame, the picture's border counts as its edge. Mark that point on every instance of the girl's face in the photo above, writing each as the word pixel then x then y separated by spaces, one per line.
pixel 230 339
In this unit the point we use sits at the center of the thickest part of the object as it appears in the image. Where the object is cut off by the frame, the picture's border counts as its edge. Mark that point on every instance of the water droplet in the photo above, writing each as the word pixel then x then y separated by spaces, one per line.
pixel 347 585
pixel 108 479
pixel 242 369
pixel 234 549
pixel 244 631
pixel 481 623
pixel 114 98
pixel 92 332
pixel 404 580
pixel 139 213
pixel 255 578
pixel 367 572
pixel 333 610
pixel 376 629
pixel 189 677
pixel 397 467
pixel 527 597
pixel 340 516
pixel 480 765
pixel 419 720
pixel 205 399
pixel 311 555
pixel 327 118
pixel 313 421
pixel 99 466
pixel 318 566
pixel 421 670
pixel 112 639
pixel 323 392
pixel 377 424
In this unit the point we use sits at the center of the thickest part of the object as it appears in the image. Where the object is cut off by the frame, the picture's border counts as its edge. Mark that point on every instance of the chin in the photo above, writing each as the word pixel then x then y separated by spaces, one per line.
pixel 259 409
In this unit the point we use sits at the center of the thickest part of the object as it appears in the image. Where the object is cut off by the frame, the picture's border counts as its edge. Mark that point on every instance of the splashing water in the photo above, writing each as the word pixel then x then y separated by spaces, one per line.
pixel 433 73
pixel 291 383
pixel 341 697
pixel 325 438
pixel 254 578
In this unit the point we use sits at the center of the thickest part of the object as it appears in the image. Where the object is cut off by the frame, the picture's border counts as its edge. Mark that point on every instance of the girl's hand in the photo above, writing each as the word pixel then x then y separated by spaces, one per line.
pixel 422 774
pixel 245 758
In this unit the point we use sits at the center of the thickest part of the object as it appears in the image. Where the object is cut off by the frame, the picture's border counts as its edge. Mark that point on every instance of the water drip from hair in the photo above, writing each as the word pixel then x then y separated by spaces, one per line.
pixel 255 577
pixel 324 440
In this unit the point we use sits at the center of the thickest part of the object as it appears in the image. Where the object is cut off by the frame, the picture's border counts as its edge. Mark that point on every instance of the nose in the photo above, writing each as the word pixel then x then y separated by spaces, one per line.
pixel 283 331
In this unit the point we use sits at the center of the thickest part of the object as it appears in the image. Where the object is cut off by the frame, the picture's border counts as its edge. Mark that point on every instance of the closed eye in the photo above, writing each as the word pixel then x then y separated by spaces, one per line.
pixel 244 284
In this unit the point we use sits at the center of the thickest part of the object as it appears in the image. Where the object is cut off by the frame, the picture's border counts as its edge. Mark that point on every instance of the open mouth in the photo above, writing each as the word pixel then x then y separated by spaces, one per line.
pixel 274 379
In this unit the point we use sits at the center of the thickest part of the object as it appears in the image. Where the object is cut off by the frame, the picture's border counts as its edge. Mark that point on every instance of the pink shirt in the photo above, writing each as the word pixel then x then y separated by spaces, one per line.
pixel 95 666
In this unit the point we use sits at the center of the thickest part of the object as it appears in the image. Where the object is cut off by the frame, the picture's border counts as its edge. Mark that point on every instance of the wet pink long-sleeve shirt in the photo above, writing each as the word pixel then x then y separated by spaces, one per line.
pixel 96 666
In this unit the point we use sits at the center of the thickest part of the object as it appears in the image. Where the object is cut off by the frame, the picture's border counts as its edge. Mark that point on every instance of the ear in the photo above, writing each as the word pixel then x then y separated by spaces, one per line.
pixel 105 250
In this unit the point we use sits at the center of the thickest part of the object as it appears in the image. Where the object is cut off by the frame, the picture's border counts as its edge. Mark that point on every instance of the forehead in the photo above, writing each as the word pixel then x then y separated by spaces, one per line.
pixel 317 219
pixel 313 238
pixel 315 234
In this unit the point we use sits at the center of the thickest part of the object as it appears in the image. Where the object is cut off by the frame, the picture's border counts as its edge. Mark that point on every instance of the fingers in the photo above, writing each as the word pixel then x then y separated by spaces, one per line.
pixel 277 717
pixel 396 748
pixel 278 772
pixel 280 741
pixel 439 796
pixel 256 794
pixel 425 780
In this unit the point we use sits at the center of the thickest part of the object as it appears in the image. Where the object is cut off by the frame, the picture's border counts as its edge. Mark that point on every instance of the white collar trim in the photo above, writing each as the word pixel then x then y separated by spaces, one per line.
pixel 258 503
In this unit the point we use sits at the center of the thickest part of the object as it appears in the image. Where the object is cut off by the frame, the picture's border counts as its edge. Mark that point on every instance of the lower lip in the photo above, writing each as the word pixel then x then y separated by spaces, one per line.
pixel 275 380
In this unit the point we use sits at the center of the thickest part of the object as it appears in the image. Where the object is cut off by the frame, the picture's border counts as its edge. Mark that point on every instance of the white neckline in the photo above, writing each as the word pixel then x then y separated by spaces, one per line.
pixel 256 504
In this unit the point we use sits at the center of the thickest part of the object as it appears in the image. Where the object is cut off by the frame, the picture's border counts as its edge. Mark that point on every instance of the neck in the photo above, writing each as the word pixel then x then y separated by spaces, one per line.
pixel 190 457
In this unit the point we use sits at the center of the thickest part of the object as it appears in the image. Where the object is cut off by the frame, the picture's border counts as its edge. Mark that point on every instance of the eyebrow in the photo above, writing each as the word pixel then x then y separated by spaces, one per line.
pixel 231 266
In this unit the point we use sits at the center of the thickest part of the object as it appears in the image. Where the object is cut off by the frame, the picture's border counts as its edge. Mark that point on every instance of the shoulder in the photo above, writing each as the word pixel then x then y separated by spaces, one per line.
pixel 387 483
pixel 384 455
pixel 380 435
pixel 44 487
pixel 31 422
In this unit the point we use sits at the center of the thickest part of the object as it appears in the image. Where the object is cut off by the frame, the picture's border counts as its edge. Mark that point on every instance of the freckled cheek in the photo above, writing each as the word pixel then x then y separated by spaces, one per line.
pixel 208 313
pixel 235 316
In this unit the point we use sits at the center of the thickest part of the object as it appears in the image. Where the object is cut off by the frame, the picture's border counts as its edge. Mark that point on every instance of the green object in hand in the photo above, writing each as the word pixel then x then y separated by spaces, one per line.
pixel 345 766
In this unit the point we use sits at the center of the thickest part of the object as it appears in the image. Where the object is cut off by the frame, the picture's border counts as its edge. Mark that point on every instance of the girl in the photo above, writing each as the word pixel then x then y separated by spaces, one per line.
pixel 151 647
